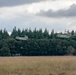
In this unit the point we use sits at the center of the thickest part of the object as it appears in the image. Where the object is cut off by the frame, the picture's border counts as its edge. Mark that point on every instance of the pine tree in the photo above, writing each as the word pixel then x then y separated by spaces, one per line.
pixel 5 34
pixel 46 33
pixel 52 34
pixel 14 33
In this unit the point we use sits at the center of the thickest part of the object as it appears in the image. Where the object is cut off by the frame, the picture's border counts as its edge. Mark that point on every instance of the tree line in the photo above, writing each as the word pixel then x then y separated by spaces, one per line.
pixel 40 43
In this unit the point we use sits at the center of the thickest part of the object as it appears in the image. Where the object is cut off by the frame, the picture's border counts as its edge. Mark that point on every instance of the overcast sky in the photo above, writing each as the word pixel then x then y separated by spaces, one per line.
pixel 51 14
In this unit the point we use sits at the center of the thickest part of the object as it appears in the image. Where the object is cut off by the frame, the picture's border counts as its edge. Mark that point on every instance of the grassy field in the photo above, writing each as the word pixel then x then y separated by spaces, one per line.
pixel 65 65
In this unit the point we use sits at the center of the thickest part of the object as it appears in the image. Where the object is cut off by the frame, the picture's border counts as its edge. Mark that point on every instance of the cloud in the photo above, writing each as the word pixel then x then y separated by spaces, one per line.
pixel 4 3
pixel 70 12
pixel 23 16
pixel 31 21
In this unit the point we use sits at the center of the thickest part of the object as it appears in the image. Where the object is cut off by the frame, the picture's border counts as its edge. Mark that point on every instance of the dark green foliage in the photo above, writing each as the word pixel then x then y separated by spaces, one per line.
pixel 72 32
pixel 70 50
pixel 73 37
pixel 12 44
pixel 1 34
pixel 14 33
pixel 37 47
pixel 4 51
pixel 52 34
pixel 40 43
pixel 35 34
pixel 44 47
pixel 4 34
pixel 46 34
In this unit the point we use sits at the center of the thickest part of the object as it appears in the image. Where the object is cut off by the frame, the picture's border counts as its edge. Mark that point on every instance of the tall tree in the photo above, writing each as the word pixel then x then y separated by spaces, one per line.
pixel 1 34
pixel 14 33
pixel 40 34
pixel 12 46
pixel 52 34
pixel 5 34
pixel 46 33
pixel 35 36
pixel 72 32
pixel 19 32
pixel 30 35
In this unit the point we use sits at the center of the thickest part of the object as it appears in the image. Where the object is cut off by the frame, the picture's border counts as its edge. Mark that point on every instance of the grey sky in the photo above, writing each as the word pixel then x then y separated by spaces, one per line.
pixel 70 12
pixel 56 14
pixel 4 3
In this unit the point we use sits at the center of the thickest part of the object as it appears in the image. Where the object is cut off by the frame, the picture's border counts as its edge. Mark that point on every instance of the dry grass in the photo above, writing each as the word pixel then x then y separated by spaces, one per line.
pixel 65 65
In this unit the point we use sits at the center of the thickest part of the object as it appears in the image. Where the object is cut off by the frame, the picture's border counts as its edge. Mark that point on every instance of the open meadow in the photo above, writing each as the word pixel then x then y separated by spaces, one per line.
pixel 49 65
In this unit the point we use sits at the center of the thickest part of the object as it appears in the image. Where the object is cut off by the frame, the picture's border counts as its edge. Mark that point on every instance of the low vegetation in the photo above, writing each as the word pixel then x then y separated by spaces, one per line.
pixel 65 65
